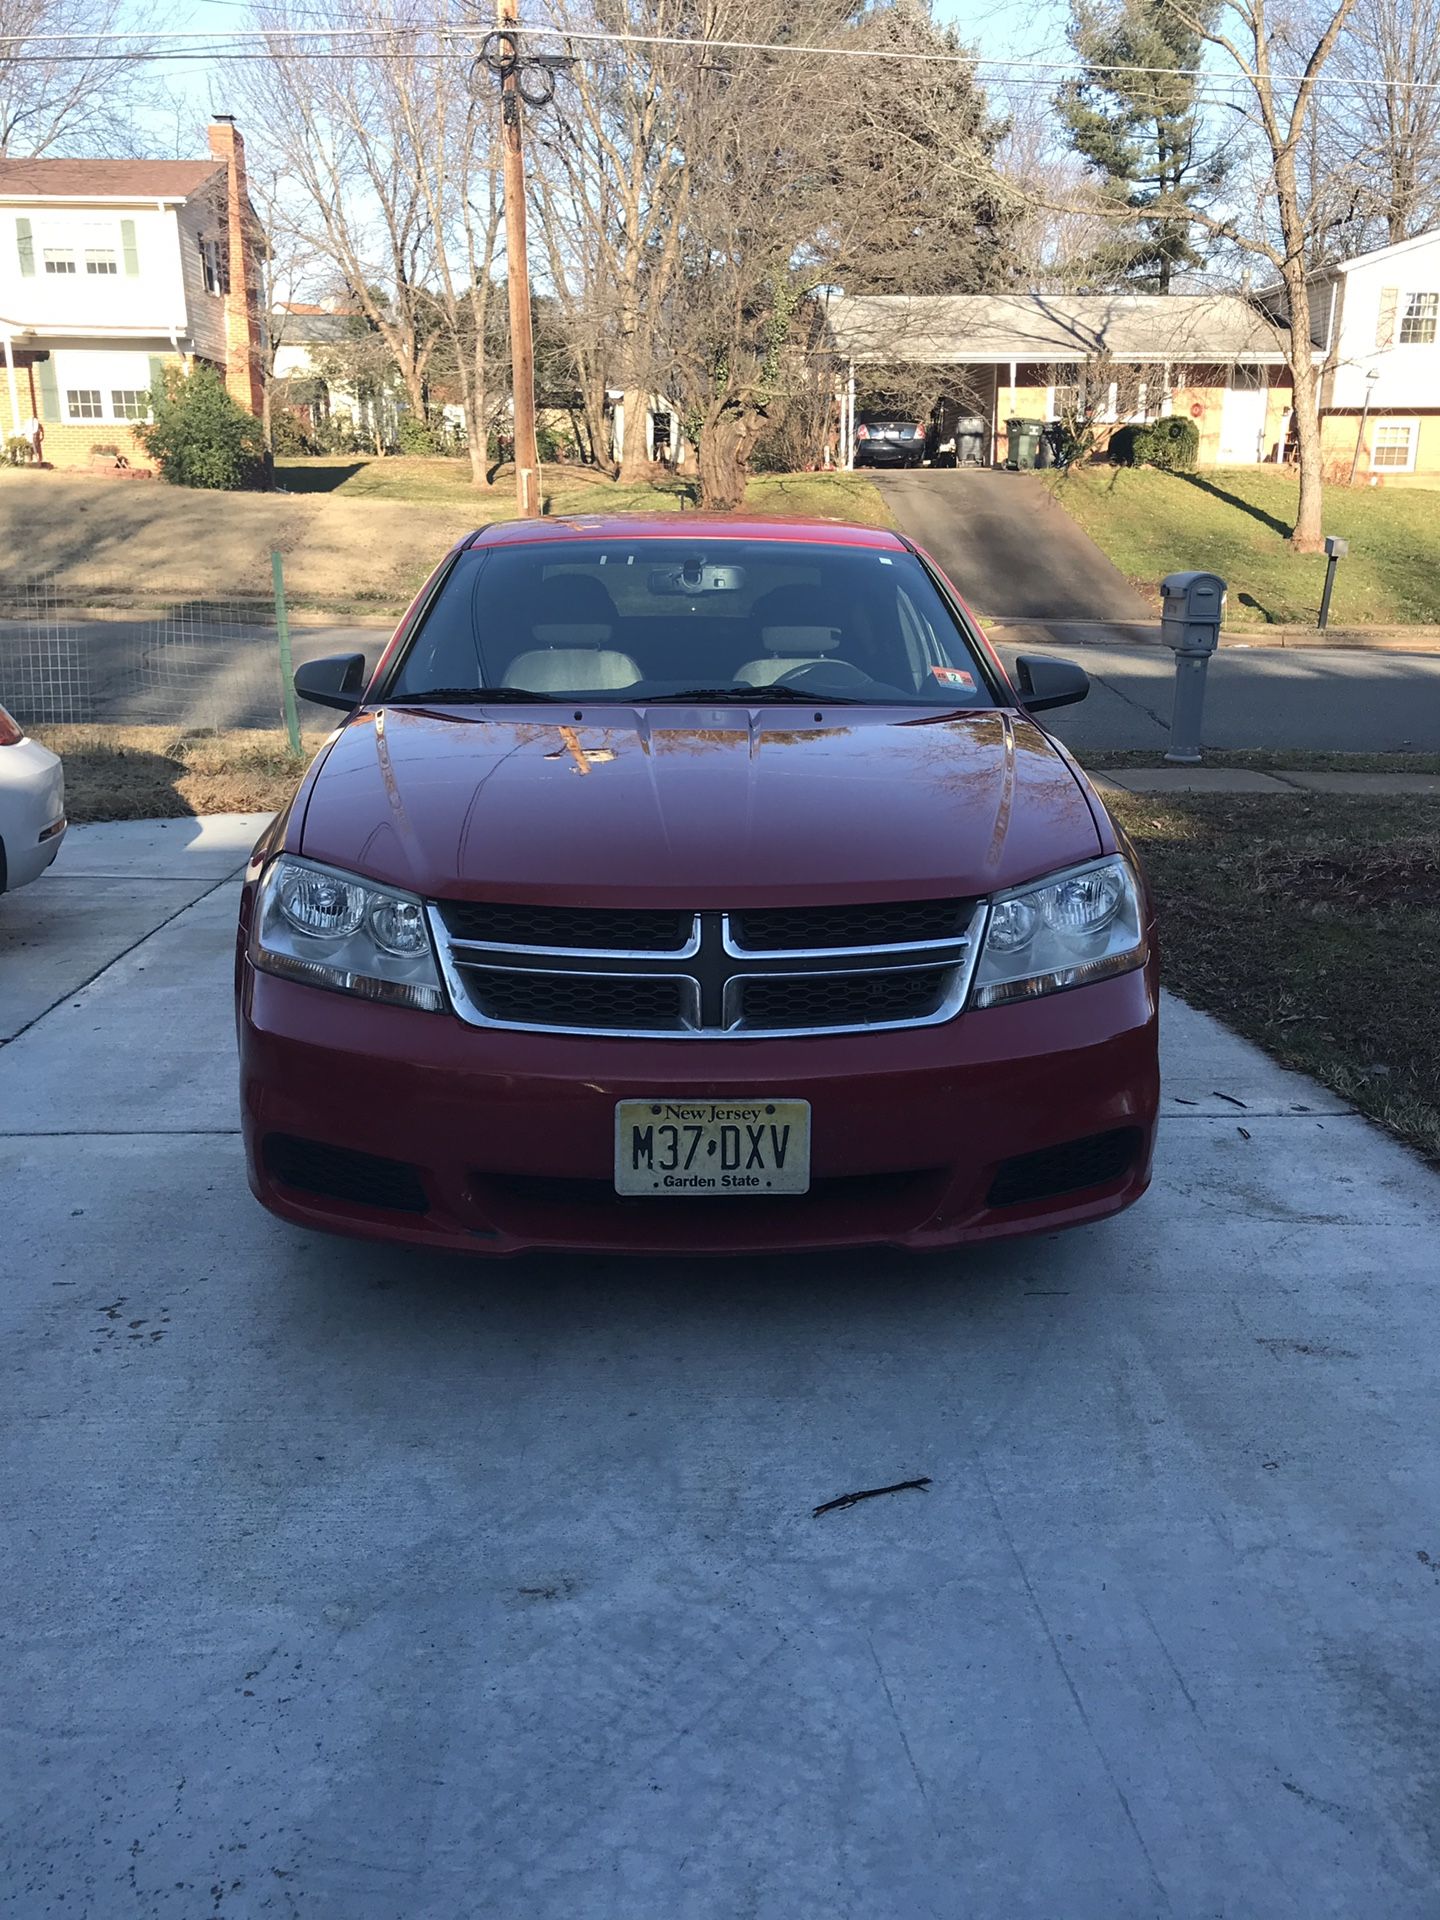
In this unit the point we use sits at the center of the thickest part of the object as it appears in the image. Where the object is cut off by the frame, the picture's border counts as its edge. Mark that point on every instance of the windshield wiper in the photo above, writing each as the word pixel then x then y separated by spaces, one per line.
pixel 750 697
pixel 478 696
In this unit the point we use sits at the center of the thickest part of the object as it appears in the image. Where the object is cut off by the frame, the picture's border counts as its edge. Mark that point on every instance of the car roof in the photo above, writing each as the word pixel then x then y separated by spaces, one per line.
pixel 685 526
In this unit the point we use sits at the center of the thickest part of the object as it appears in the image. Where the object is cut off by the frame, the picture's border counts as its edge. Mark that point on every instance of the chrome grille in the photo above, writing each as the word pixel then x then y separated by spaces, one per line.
pixel 709 975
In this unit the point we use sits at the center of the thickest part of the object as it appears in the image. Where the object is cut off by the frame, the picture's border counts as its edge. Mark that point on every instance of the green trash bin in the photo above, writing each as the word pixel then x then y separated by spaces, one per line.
pixel 1023 443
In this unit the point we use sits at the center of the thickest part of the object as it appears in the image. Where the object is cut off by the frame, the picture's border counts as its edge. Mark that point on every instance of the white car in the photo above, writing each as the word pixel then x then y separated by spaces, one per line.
pixel 32 805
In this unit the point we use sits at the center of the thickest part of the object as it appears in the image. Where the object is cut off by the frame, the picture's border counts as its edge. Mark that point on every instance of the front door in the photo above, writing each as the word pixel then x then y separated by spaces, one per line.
pixel 1242 418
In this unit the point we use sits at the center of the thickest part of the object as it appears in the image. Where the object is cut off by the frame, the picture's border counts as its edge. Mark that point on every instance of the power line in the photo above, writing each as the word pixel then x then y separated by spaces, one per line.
pixel 240 44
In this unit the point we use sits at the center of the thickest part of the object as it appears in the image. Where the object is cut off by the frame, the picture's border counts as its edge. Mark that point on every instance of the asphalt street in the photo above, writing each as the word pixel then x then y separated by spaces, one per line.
pixel 345 1583
pixel 1016 556
pixel 1043 586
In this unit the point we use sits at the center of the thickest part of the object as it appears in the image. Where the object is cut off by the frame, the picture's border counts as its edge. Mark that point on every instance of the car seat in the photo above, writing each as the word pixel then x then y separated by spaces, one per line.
pixel 572 618
pixel 798 627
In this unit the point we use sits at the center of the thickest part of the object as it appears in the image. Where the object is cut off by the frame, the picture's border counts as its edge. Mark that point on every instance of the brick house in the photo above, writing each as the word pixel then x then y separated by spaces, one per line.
pixel 109 271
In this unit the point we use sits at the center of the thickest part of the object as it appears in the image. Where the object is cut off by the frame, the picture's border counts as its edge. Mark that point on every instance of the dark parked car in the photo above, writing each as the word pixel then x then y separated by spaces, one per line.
pixel 888 440
pixel 706 887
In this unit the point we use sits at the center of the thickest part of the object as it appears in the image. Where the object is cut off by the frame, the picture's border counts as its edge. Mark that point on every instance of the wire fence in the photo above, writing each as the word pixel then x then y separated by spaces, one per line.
pixel 106 653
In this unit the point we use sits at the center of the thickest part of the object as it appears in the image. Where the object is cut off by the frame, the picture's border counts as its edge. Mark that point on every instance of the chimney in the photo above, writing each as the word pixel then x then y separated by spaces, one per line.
pixel 244 377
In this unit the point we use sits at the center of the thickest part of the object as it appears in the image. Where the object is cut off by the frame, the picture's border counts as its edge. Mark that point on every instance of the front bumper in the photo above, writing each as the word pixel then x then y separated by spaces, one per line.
pixel 511 1134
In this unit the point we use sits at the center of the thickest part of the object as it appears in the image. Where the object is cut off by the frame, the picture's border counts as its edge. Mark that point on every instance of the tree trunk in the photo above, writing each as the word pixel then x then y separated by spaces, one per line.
pixel 720 460
pixel 1308 535
pixel 634 460
pixel 475 437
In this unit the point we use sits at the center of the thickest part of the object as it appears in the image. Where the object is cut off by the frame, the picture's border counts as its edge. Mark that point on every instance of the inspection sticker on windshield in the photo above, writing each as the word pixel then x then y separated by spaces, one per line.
pixel 953 677
pixel 712 1146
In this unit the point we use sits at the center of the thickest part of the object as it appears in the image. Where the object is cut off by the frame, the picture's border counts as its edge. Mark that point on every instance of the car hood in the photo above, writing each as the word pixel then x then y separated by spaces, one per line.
pixel 698 807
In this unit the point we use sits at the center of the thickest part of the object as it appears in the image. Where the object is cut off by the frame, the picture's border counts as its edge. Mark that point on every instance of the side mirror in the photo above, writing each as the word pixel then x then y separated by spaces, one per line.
pixel 336 681
pixel 1044 682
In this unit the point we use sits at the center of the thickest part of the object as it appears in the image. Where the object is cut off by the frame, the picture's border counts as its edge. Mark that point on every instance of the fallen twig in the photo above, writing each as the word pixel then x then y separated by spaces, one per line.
pixel 870 1493
pixel 1216 1094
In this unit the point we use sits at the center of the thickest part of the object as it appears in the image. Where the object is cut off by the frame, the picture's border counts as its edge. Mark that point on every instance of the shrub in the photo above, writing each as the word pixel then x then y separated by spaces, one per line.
pixel 17 450
pixel 199 436
pixel 288 434
pixel 1172 445
pixel 416 436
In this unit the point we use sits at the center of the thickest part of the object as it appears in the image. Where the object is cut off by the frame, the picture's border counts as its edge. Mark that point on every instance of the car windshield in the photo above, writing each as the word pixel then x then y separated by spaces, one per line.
pixel 624 621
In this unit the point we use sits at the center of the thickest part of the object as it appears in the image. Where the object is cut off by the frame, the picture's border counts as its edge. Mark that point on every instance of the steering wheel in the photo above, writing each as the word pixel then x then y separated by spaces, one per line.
pixel 842 673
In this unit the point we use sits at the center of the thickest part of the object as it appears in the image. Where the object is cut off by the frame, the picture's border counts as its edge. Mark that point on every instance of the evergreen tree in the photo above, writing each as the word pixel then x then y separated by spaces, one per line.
pixel 1139 129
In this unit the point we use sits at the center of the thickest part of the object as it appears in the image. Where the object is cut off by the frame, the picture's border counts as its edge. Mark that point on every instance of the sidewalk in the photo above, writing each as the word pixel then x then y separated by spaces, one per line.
pixel 1204 779
pixel 1237 639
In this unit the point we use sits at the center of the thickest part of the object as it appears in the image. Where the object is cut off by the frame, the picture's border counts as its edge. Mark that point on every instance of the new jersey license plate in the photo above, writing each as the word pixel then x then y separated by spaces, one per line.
pixel 712 1146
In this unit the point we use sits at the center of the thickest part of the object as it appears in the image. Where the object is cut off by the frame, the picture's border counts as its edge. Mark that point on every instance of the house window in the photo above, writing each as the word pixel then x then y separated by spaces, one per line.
pixel 83 403
pixel 1419 317
pixel 1067 399
pixel 59 259
pixel 1393 448
pixel 130 403
pixel 214 266
pixel 101 260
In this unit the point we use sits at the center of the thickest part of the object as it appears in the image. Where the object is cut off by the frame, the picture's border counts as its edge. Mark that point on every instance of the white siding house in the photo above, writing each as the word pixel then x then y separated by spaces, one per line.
pixel 109 269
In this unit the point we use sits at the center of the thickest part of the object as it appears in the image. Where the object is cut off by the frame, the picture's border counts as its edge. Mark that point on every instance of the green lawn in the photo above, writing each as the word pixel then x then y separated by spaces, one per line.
pixel 1235 521
pixel 433 482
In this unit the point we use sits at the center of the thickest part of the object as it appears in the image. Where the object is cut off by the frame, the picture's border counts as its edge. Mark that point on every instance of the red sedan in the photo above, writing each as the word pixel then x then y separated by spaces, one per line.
pixel 694 886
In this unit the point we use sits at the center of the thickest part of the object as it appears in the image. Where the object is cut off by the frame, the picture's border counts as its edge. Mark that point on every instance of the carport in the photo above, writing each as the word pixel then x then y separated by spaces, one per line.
pixel 1213 356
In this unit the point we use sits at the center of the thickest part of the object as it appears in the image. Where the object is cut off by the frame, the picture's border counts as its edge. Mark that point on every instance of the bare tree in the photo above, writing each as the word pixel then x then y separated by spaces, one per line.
pixel 453 131
pixel 611 189
pixel 1279 57
pixel 1387 122
pixel 1094 395
pixel 59 94
pixel 787 196
pixel 356 189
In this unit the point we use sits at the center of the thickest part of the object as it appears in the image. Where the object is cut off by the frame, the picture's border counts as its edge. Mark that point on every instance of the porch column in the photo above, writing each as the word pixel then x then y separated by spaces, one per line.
pixel 850 419
pixel 14 390
pixel 1013 369
pixel 1167 398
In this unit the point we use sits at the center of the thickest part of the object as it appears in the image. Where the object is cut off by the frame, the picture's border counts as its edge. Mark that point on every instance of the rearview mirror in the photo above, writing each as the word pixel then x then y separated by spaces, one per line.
pixel 337 680
pixel 1043 682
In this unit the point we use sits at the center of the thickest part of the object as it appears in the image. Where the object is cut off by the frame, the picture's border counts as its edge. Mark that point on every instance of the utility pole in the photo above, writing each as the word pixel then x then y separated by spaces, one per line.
pixel 517 266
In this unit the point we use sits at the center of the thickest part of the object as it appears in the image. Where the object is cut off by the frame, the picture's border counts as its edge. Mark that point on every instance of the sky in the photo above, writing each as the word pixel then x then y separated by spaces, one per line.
pixel 999 29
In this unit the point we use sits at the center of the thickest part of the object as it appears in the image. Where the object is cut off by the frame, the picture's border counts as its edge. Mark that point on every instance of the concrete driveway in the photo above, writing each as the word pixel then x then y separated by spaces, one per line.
pixel 1009 549
pixel 350 1584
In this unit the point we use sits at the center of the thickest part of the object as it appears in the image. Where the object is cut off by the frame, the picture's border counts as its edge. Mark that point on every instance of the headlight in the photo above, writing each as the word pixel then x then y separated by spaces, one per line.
pixel 333 930
pixel 1066 931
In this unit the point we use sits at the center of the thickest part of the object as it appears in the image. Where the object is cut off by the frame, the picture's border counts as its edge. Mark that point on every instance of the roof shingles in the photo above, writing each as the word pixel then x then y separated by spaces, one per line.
pixel 950 329
pixel 104 179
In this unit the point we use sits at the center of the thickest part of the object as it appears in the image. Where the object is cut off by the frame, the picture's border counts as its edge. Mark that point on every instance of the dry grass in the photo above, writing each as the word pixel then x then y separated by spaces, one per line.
pixel 361 542
pixel 153 773
pixel 1311 923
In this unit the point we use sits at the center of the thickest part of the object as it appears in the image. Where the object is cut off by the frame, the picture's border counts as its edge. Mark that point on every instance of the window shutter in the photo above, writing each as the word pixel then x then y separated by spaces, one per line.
pixel 1385 325
pixel 49 390
pixel 25 243
pixel 157 375
pixel 128 248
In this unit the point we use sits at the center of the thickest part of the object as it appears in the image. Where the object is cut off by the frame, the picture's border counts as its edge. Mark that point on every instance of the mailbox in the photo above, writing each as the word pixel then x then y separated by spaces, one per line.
pixel 1336 547
pixel 1192 605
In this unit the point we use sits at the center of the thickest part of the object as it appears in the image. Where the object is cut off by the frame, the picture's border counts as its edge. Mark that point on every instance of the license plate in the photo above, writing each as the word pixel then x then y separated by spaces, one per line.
pixel 712 1146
